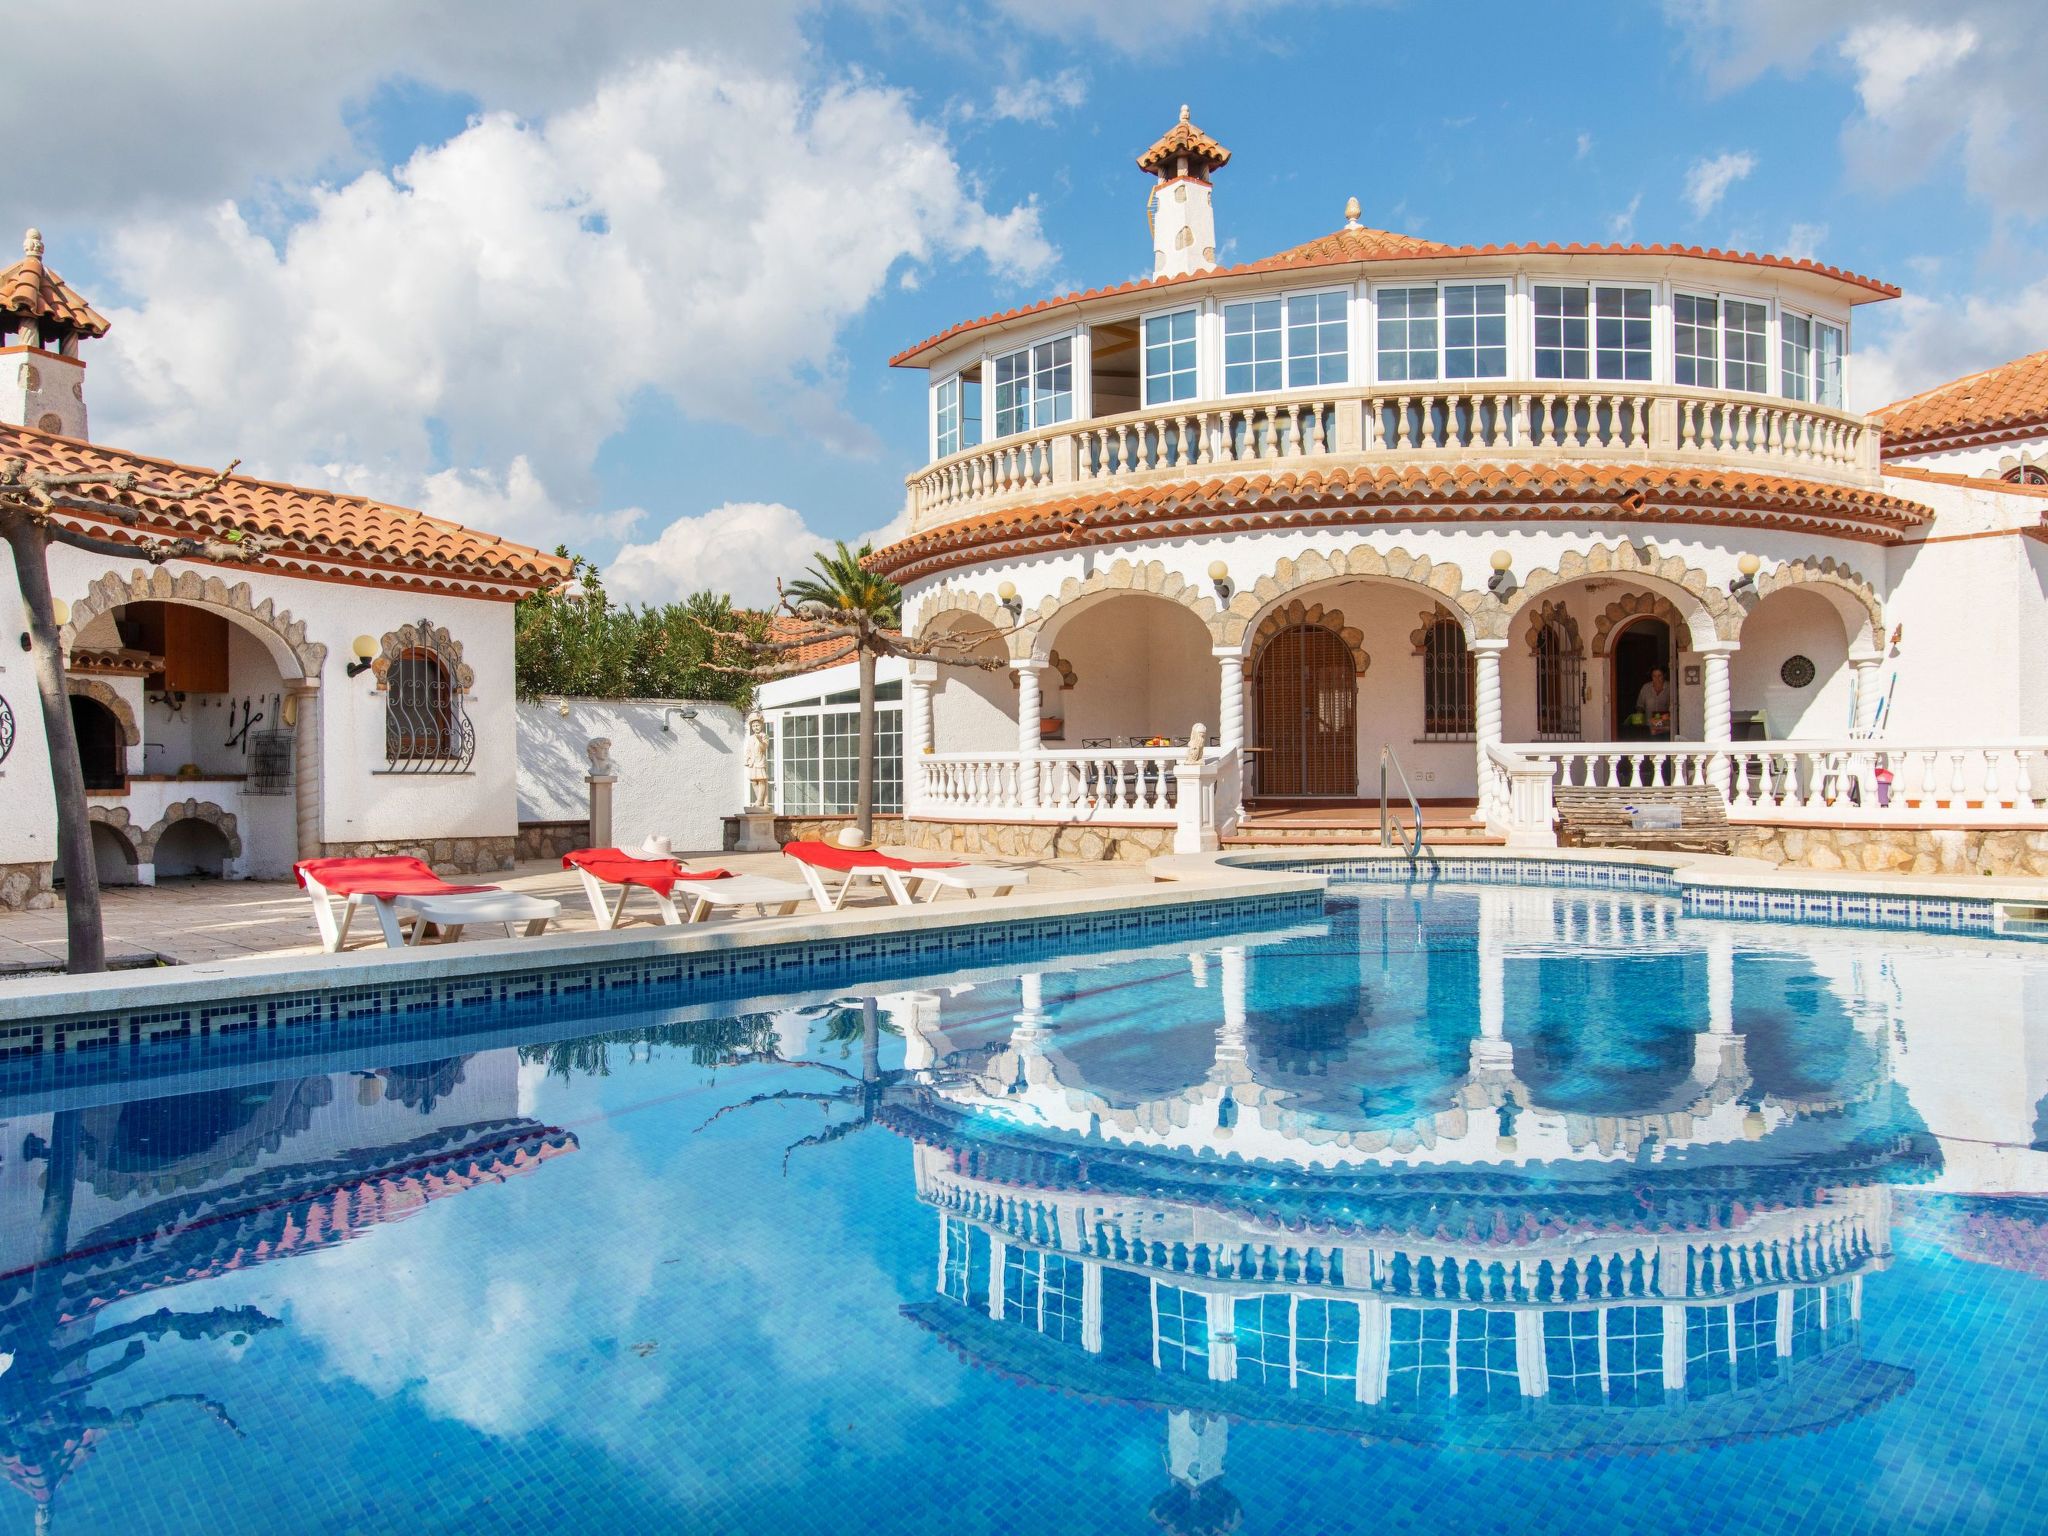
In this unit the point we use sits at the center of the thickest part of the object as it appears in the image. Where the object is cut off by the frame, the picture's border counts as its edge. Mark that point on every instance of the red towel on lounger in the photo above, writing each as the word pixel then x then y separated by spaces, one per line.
pixel 615 866
pixel 384 878
pixel 829 856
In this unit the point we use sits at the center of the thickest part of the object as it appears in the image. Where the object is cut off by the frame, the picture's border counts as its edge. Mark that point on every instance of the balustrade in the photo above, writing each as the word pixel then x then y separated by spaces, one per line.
pixel 1118 784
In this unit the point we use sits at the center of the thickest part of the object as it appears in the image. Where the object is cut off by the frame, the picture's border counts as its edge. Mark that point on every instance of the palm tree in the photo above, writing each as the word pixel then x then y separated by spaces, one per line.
pixel 841 584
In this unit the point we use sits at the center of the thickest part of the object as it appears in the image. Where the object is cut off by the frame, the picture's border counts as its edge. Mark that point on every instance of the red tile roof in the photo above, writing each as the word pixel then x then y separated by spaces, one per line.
pixel 1347 246
pixel 1967 482
pixel 30 289
pixel 314 530
pixel 1993 402
pixel 812 654
pixel 1204 154
pixel 1357 497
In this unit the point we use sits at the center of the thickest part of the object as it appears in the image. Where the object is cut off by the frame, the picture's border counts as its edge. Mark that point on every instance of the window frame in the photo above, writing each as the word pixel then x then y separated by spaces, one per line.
pixel 1593 287
pixel 1035 421
pixel 958 383
pixel 1192 313
pixel 1343 358
pixel 889 767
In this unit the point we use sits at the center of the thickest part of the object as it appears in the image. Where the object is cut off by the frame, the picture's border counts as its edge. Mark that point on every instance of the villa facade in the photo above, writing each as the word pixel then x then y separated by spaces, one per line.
pixel 1381 509
pixel 327 695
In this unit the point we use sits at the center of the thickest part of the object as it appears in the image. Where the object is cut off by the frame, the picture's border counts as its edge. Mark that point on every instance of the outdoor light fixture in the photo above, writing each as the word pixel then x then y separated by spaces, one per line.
pixel 1219 577
pixel 1502 581
pixel 1748 565
pixel 1012 603
pixel 684 711
pixel 366 655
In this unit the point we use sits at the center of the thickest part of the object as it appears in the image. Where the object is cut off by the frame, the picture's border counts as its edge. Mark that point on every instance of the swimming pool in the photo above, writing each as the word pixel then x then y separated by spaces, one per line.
pixel 1432 1212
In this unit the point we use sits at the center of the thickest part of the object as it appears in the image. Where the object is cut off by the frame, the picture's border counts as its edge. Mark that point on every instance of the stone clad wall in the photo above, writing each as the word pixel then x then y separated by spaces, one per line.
pixel 552 839
pixel 1018 840
pixel 448 855
pixel 25 887
pixel 1898 850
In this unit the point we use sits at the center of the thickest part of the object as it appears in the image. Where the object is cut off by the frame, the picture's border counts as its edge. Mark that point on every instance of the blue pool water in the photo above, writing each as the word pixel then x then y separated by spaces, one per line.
pixel 1436 1213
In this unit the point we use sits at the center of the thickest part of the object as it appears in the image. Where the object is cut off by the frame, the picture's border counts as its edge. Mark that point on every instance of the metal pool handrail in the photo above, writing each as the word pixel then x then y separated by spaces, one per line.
pixel 1387 755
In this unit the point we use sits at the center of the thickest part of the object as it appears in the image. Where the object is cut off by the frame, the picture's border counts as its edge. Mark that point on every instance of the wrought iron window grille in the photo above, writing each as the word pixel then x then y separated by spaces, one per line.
pixel 426 726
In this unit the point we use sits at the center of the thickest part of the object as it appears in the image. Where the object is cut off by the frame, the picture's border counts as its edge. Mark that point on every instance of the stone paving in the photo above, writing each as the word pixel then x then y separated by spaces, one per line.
pixel 188 921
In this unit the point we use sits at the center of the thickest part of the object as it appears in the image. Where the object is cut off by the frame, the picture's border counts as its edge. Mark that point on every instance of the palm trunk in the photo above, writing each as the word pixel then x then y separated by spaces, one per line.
pixel 86 947
pixel 864 795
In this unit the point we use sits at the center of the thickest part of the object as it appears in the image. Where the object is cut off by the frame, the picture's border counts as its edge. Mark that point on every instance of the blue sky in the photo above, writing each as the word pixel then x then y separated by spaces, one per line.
pixel 628 276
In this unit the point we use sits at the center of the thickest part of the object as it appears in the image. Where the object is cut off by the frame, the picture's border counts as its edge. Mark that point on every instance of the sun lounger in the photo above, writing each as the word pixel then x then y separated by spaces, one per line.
pixel 900 877
pixel 386 884
pixel 703 890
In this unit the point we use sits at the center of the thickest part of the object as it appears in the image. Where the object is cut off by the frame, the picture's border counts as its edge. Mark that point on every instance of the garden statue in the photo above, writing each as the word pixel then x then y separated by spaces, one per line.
pixel 757 763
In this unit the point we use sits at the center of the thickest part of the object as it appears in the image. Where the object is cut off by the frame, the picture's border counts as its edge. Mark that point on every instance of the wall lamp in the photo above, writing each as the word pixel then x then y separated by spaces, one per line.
pixel 1013 605
pixel 684 711
pixel 366 655
pixel 1748 566
pixel 1219 578
pixel 1502 581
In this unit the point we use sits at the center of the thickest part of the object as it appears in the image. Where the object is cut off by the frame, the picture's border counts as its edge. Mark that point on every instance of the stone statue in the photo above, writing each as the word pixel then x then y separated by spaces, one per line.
pixel 757 763
pixel 601 764
pixel 1198 743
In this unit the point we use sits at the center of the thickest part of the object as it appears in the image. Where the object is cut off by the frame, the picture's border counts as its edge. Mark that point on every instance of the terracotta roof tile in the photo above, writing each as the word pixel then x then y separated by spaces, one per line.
pixel 1967 482
pixel 2011 395
pixel 813 654
pixel 1345 246
pixel 1351 496
pixel 30 289
pixel 1184 138
pixel 309 525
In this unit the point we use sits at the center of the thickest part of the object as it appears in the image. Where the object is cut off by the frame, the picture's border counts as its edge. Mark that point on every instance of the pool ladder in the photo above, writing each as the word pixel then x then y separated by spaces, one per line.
pixel 1415 806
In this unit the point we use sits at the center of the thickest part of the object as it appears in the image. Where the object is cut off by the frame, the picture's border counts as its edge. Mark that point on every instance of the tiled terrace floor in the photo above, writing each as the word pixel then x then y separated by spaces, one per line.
pixel 192 920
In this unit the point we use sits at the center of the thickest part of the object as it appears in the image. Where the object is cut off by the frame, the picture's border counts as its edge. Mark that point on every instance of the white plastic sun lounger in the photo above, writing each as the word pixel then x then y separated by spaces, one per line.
pixel 451 914
pixel 974 879
pixel 736 891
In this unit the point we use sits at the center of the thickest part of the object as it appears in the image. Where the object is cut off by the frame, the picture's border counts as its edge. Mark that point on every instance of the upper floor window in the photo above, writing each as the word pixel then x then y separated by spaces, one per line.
pixel 1318 340
pixel 1170 357
pixel 1408 333
pixel 1035 387
pixel 1827 364
pixel 958 414
pixel 1475 330
pixel 1297 342
pixel 1795 356
pixel 1745 338
pixel 1696 340
pixel 1251 347
pixel 1600 333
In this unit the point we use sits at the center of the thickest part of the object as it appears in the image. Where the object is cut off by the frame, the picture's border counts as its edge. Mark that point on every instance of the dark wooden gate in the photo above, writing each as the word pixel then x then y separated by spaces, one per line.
pixel 1305 704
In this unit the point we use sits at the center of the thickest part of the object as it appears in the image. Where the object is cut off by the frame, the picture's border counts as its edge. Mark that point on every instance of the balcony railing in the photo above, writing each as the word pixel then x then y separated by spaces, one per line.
pixel 1401 423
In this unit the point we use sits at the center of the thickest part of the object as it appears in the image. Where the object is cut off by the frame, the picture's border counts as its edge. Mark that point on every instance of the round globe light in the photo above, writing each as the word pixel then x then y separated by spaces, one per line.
pixel 1218 571
pixel 1502 559
pixel 1007 591
pixel 364 647
pixel 1749 565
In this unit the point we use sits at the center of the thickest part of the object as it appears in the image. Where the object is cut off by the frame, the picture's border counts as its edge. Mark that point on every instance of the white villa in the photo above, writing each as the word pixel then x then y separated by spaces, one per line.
pixel 348 690
pixel 1383 508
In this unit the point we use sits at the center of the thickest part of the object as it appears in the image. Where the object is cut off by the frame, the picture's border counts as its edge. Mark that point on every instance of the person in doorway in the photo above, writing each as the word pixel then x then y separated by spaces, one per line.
pixel 1653 703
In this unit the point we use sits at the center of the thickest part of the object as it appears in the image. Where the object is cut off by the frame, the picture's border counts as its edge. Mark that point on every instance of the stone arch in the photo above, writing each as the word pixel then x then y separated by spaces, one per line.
pixel 1059 666
pixel 1845 590
pixel 1293 614
pixel 1623 611
pixel 105 694
pixel 974 605
pixel 423 636
pixel 115 819
pixel 1704 610
pixel 1543 616
pixel 283 635
pixel 1442 579
pixel 1076 595
pixel 189 810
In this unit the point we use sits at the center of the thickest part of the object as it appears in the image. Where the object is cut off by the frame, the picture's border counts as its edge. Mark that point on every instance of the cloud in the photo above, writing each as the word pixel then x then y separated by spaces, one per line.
pixel 1622 225
pixel 1141 27
pixel 1585 146
pixel 516 506
pixel 1802 241
pixel 1708 181
pixel 738 548
pixel 495 304
pixel 1890 57
pixel 1039 100
pixel 1926 340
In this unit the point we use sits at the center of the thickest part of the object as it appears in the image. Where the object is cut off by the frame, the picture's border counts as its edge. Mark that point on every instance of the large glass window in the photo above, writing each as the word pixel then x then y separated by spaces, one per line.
pixel 1563 329
pixel 1183 1330
pixel 1795 356
pixel 1170 358
pixel 959 415
pixel 1318 340
pixel 1621 333
pixel 1601 333
pixel 1756 1339
pixel 1251 347
pixel 819 755
pixel 1408 334
pixel 1827 364
pixel 1475 330
pixel 1696 340
pixel 1706 1350
pixel 1042 1290
pixel 1745 341
pixel 1035 387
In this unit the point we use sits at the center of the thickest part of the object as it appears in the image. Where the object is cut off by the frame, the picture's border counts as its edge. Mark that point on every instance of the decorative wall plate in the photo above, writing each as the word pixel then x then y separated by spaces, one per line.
pixel 6 729
pixel 1797 671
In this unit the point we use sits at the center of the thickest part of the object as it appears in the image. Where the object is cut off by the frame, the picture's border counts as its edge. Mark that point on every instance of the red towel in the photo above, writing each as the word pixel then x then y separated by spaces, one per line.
pixel 615 866
pixel 384 878
pixel 829 856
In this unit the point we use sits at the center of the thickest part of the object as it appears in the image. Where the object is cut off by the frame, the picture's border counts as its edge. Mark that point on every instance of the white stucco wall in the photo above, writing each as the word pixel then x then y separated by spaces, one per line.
pixel 677 783
pixel 1786 624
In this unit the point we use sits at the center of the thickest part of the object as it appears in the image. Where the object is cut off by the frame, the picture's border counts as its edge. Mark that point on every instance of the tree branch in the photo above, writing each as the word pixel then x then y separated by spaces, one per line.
pixel 155 551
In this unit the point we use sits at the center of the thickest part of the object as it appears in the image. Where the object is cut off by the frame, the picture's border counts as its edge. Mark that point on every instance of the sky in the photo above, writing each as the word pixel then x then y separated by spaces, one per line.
pixel 627 276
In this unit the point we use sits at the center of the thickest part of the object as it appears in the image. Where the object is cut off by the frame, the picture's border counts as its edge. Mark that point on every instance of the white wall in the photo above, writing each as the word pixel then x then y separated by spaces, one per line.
pixel 28 832
pixel 1142 668
pixel 1794 623
pixel 679 783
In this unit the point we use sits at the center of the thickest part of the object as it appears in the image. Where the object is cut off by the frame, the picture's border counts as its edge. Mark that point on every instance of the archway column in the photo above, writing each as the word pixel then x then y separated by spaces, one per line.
pixel 1230 697
pixel 917 731
pixel 1030 718
pixel 304 693
pixel 1869 688
pixel 1486 726
pixel 1717 725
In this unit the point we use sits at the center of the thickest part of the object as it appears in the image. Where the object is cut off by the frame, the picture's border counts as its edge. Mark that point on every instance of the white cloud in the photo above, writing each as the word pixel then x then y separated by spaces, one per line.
pixel 1708 181
pixel 497 302
pixel 1622 225
pixel 1920 341
pixel 1142 27
pixel 739 548
pixel 1890 58
pixel 1585 146
pixel 1802 241
pixel 1039 100
pixel 515 505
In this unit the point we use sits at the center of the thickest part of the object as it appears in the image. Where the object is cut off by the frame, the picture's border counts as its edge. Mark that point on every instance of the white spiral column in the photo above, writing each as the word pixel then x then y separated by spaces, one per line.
pixel 1229 699
pixel 1486 723
pixel 1864 668
pixel 1717 726
pixel 1030 714
pixel 917 734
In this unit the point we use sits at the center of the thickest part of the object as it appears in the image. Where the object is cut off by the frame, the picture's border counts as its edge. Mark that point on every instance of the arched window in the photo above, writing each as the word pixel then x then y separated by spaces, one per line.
pixel 1559 684
pixel 1446 680
pixel 2025 474
pixel 425 729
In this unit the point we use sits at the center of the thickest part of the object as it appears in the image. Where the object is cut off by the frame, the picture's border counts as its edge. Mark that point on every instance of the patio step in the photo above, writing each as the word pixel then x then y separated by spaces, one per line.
pixel 1351 834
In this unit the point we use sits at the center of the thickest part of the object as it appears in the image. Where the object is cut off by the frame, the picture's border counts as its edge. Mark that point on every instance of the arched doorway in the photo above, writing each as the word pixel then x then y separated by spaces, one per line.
pixel 1640 649
pixel 1305 707
pixel 102 749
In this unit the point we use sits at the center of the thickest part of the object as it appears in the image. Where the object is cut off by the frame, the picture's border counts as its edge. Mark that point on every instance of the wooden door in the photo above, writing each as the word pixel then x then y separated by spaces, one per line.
pixel 1305 703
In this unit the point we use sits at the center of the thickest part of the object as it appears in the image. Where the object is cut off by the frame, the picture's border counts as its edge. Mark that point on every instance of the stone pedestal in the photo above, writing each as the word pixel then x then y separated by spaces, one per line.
pixel 757 832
